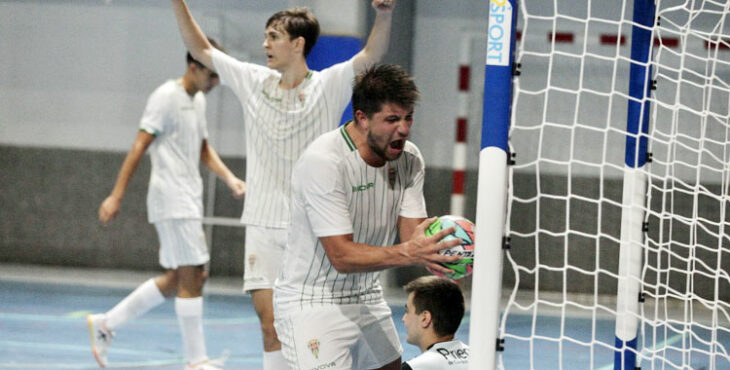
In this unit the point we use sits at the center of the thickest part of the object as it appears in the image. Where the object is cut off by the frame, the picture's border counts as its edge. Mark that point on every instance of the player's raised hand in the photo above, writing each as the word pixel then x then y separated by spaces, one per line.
pixel 109 209
pixel 383 5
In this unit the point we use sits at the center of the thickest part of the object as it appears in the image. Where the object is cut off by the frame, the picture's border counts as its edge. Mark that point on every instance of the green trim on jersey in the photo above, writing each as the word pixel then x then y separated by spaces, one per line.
pixel 346 136
pixel 151 132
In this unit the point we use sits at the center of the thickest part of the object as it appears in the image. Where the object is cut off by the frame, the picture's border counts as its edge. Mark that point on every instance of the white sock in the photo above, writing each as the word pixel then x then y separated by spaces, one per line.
pixel 190 317
pixel 274 361
pixel 141 300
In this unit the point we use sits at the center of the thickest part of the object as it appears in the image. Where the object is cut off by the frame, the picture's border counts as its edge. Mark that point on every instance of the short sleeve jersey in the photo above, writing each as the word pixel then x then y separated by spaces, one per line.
pixel 279 124
pixel 177 120
pixel 335 192
pixel 451 355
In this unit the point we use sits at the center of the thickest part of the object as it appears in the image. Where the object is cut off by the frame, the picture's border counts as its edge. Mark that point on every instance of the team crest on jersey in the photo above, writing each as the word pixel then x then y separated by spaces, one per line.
pixel 302 96
pixel 314 347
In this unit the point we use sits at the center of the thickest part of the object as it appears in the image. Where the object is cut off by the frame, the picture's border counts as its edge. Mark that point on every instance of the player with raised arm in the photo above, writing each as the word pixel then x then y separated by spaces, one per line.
pixel 353 191
pixel 434 311
pixel 285 107
pixel 174 130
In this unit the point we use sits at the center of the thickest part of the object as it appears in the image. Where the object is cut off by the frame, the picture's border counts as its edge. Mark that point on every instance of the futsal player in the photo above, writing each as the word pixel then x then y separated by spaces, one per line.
pixel 434 311
pixel 174 130
pixel 285 107
pixel 353 191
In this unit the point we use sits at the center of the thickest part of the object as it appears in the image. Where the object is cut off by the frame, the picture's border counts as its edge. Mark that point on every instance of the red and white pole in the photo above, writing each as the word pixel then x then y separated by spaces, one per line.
pixel 460 148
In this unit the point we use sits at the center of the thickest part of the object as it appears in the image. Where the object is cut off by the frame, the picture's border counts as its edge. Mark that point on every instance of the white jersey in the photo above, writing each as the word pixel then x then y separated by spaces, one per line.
pixel 334 192
pixel 178 122
pixel 279 124
pixel 451 355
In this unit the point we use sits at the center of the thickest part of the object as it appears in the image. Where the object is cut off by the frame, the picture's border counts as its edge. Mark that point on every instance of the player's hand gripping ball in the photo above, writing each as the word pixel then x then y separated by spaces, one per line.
pixel 465 232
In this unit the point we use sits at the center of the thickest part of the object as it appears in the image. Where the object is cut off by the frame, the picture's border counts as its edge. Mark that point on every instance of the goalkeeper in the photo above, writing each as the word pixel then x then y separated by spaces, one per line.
pixel 434 311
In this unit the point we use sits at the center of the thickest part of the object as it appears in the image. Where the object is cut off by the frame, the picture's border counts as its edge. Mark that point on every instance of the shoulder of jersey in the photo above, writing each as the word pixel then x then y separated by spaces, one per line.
pixel 325 145
pixel 410 147
pixel 168 87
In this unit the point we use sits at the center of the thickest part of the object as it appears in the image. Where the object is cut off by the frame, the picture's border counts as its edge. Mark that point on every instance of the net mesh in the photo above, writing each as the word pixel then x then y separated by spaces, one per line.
pixel 569 134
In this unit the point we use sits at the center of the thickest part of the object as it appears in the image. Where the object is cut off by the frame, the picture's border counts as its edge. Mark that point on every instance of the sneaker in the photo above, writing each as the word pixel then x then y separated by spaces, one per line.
pixel 101 337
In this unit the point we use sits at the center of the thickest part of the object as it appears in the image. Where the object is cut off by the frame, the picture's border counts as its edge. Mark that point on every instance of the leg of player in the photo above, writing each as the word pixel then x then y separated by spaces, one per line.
pixel 263 304
pixel 189 310
pixel 167 283
pixel 264 250
pixel 147 296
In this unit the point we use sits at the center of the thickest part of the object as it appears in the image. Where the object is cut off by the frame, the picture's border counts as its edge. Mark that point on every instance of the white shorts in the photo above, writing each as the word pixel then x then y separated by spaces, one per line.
pixel 182 243
pixel 263 256
pixel 354 336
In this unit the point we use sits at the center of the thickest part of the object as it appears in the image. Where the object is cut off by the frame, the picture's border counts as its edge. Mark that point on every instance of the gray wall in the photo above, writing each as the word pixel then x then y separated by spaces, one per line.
pixel 50 199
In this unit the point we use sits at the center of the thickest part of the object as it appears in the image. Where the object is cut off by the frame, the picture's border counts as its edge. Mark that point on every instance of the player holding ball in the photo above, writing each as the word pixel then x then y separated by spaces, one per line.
pixel 353 191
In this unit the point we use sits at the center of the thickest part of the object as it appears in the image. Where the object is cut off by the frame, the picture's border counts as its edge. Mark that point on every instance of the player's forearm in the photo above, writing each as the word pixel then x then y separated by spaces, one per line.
pixel 354 257
pixel 379 39
pixel 213 161
pixel 129 167
pixel 140 145
pixel 377 44
pixel 193 37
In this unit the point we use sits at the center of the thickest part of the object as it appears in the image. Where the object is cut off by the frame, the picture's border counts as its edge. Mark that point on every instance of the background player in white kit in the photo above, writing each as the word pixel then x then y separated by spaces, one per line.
pixel 353 191
pixel 285 107
pixel 173 127
pixel 434 311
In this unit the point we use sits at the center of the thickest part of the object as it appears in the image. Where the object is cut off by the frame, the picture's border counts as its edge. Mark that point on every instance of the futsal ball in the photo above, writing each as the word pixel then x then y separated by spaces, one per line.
pixel 465 232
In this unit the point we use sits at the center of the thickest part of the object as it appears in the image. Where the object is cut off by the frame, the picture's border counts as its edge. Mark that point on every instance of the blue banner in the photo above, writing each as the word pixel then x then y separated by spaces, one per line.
pixel 330 50
pixel 498 74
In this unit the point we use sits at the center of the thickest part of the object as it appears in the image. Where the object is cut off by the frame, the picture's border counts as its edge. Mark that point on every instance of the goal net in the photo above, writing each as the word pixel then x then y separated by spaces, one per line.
pixel 619 233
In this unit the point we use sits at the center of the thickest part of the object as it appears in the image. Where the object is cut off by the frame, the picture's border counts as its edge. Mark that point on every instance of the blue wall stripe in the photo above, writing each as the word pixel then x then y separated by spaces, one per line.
pixel 330 50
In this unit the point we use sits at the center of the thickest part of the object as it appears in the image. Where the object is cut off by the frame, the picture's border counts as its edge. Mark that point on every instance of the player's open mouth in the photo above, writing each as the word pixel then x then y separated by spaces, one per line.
pixel 398 144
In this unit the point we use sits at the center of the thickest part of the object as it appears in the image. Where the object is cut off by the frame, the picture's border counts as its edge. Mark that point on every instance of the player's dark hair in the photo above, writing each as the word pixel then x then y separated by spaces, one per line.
pixel 297 22
pixel 381 84
pixel 190 58
pixel 442 298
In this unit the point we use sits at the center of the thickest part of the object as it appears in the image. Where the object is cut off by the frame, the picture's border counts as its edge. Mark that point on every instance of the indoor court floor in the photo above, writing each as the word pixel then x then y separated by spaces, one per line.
pixel 43 326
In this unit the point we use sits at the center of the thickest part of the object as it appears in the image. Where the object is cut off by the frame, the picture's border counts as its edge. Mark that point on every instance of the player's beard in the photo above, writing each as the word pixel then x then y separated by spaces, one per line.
pixel 381 152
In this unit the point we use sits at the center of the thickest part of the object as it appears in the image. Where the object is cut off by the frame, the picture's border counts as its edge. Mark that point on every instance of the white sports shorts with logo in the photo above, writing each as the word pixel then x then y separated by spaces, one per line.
pixel 182 243
pixel 264 252
pixel 354 336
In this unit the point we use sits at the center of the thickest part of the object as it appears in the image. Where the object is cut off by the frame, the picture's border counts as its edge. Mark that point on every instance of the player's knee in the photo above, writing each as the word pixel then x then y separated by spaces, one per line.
pixel 167 283
pixel 201 276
